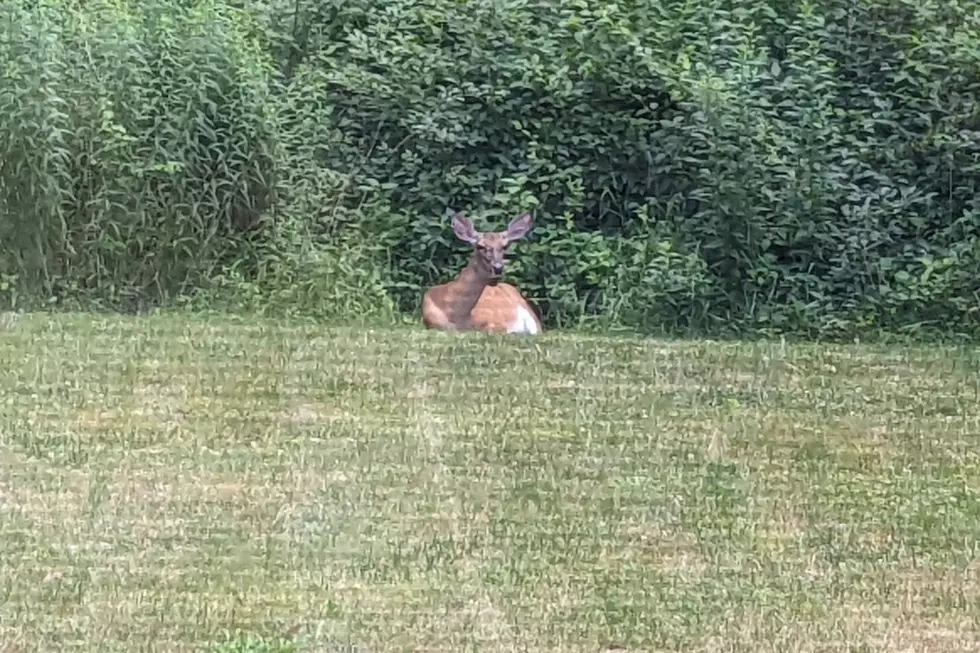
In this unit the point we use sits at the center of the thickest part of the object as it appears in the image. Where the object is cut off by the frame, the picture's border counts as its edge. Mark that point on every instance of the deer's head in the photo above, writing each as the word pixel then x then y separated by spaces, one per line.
pixel 489 247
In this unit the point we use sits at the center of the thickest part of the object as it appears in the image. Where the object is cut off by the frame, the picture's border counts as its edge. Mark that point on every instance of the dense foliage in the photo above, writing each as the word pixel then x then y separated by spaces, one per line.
pixel 806 167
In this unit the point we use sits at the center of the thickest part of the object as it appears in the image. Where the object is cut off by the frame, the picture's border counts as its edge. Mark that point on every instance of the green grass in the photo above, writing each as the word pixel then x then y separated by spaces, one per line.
pixel 170 483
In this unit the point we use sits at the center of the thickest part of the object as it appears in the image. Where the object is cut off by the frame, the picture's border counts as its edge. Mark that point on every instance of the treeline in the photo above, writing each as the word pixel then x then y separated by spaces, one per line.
pixel 750 166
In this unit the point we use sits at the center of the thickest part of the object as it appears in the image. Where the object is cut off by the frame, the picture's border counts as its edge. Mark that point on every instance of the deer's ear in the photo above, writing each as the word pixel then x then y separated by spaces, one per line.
pixel 464 229
pixel 519 227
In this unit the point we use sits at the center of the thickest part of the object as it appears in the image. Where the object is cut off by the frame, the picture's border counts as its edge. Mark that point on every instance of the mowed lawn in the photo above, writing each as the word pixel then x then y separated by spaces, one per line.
pixel 171 483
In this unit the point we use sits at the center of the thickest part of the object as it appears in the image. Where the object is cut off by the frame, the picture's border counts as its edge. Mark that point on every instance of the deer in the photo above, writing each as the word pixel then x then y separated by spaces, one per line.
pixel 477 300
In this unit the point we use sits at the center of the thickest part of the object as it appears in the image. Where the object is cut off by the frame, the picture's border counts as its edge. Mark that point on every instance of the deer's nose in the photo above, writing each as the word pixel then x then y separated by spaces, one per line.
pixel 497 268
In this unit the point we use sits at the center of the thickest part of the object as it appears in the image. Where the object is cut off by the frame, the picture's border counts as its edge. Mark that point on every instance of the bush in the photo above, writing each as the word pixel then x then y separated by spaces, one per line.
pixel 749 167
pixel 799 162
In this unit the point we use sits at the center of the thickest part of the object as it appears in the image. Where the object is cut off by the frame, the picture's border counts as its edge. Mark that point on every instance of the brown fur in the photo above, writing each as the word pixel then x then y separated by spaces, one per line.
pixel 477 299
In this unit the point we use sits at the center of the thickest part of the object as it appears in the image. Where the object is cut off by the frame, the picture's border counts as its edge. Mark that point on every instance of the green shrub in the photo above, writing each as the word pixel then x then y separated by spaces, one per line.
pixel 797 160
pixel 806 167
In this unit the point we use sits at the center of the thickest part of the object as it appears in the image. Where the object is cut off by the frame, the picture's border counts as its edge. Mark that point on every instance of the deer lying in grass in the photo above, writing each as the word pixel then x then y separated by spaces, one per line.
pixel 477 299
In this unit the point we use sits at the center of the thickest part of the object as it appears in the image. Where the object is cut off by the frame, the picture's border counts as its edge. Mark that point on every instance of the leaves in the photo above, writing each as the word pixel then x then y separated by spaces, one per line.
pixel 762 167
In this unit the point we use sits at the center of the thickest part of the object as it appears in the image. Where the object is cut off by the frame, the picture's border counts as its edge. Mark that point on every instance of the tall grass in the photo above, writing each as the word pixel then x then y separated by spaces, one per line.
pixel 137 152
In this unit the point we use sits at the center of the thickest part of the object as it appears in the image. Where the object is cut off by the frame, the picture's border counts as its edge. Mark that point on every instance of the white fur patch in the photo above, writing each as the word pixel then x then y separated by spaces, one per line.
pixel 523 322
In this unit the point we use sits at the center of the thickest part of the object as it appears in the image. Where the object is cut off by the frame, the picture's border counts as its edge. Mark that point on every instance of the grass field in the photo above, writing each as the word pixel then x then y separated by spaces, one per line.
pixel 171 483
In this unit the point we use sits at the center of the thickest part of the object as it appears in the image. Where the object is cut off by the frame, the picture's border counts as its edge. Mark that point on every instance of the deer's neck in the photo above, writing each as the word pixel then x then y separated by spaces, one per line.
pixel 468 287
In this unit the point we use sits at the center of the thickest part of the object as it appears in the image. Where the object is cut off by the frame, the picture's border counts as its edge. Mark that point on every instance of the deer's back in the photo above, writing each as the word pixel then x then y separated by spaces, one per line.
pixel 503 309
pixel 500 309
